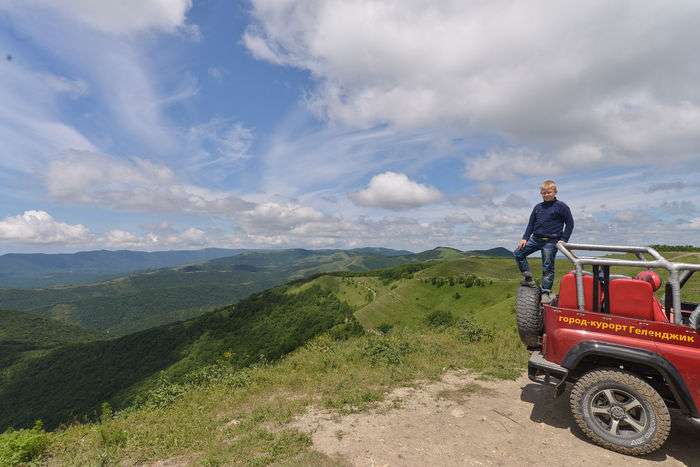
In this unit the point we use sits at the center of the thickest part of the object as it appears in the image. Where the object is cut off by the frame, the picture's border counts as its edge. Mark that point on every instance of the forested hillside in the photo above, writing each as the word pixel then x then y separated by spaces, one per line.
pixel 198 395
pixel 353 334
pixel 143 300
pixel 71 382
pixel 26 335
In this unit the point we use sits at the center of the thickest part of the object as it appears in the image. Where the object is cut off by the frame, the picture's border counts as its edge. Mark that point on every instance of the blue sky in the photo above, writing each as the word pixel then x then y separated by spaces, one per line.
pixel 407 124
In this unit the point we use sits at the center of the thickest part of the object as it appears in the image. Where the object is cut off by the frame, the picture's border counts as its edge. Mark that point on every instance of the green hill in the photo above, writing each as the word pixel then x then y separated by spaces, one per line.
pixel 181 383
pixel 422 319
pixel 461 286
pixel 439 253
pixel 498 252
pixel 72 381
pixel 420 324
pixel 143 300
pixel 24 335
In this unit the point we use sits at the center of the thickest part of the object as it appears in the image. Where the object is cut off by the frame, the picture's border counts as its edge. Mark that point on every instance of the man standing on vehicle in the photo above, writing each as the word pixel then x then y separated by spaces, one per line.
pixel 545 228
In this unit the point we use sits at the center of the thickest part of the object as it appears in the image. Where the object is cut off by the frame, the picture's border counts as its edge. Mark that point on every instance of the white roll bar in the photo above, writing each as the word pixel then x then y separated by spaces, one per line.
pixel 659 261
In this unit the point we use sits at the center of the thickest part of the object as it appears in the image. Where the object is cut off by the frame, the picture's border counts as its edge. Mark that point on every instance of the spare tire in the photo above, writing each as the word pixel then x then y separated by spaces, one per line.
pixel 695 319
pixel 528 315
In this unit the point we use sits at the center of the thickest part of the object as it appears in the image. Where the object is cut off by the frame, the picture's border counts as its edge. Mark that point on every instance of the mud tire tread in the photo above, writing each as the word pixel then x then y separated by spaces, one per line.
pixel 641 387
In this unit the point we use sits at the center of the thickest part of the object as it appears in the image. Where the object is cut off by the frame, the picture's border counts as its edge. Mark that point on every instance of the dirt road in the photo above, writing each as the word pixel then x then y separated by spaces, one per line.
pixel 463 421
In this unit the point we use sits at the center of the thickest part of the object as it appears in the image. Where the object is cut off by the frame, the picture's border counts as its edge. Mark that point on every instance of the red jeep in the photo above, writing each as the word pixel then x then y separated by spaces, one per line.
pixel 628 355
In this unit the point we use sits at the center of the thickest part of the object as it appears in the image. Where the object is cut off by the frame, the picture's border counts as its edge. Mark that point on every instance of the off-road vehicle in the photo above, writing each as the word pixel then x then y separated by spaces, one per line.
pixel 628 355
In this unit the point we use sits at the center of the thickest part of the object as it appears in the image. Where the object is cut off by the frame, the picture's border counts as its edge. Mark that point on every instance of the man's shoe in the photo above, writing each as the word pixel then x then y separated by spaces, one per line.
pixel 546 298
pixel 528 281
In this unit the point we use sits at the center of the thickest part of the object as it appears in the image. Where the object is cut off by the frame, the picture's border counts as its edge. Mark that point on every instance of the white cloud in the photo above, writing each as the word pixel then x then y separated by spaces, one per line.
pixel 515 201
pixel 393 190
pixel 96 42
pixel 124 16
pixel 298 160
pixel 137 185
pixel 40 227
pixel 31 124
pixel 120 238
pixel 676 185
pixel 539 75
pixel 271 217
pixel 75 88
pixel 219 144
pixel 216 72
pixel 162 236
pixel 682 207
pixel 510 165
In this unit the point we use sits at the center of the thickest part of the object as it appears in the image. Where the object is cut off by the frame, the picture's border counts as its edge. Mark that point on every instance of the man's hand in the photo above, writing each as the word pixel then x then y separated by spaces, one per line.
pixel 521 244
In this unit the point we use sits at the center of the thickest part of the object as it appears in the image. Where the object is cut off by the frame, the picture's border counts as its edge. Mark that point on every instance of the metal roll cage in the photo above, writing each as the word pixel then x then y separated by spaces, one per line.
pixel 678 273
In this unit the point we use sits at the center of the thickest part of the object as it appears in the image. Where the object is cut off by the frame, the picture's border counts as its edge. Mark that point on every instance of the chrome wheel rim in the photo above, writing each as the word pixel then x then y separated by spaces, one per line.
pixel 618 413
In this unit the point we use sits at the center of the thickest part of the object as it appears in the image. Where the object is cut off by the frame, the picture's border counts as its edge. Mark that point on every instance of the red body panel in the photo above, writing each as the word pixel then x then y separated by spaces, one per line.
pixel 680 345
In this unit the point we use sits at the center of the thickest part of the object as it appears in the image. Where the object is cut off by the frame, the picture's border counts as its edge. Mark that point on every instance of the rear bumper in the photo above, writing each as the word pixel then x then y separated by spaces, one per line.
pixel 543 371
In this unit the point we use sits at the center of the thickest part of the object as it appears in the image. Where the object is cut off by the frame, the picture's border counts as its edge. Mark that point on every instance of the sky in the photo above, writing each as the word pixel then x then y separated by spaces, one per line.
pixel 181 124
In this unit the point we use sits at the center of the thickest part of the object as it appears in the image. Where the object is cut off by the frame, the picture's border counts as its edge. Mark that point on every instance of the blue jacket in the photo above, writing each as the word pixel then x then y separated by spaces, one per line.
pixel 548 219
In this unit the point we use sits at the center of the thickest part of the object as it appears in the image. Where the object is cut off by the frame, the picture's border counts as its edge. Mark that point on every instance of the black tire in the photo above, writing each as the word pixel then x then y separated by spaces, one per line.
pixel 620 411
pixel 694 320
pixel 528 314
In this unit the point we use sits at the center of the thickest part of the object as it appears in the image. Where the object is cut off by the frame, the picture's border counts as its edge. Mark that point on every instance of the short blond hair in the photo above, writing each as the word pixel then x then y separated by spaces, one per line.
pixel 549 184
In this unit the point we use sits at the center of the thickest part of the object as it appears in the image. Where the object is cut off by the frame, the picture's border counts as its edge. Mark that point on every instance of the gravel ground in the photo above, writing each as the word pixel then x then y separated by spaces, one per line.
pixel 461 420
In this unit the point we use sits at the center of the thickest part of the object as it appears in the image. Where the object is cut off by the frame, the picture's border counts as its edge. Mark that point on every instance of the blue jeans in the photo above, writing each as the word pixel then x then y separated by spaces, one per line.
pixel 549 251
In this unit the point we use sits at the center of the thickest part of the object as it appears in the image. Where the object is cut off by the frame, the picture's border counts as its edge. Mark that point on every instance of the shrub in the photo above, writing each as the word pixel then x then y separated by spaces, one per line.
pixel 22 446
pixel 344 331
pixel 386 350
pixel 164 393
pixel 438 318
pixel 456 296
pixel 385 328
pixel 472 332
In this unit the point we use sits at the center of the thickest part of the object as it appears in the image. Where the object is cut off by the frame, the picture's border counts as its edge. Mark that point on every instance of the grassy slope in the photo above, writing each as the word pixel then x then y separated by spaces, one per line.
pixel 74 380
pixel 239 416
pixel 140 301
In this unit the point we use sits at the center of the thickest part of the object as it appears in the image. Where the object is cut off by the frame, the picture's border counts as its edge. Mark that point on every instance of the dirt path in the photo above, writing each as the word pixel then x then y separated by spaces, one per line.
pixel 463 421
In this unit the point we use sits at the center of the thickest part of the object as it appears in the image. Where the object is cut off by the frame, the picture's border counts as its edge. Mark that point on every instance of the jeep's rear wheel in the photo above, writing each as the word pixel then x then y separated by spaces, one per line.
pixel 620 412
pixel 529 316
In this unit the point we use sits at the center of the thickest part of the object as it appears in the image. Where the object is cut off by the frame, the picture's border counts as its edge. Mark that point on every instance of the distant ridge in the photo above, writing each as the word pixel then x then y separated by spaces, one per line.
pixel 33 270
pixel 143 299
pixel 498 252
pixel 380 251
pixel 29 270
pixel 441 252
pixel 446 252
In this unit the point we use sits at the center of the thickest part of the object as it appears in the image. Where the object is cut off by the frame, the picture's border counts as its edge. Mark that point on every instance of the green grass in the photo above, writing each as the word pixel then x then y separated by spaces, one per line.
pixel 222 414
pixel 19 447
pixel 241 416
